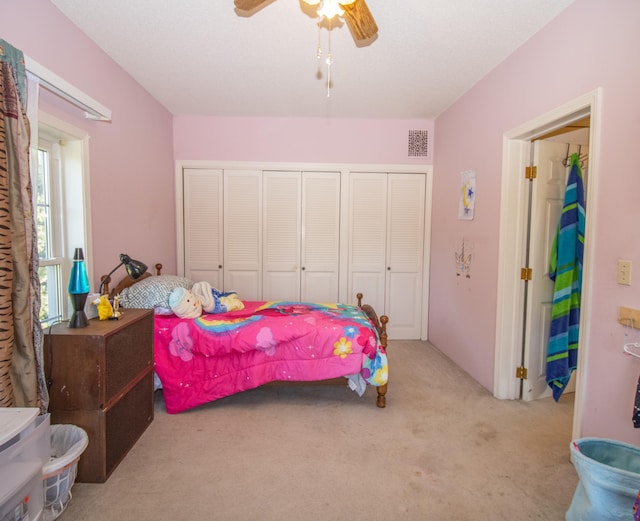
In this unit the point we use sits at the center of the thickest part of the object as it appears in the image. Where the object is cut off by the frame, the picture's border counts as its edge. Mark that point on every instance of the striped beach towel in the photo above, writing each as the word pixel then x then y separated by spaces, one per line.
pixel 565 269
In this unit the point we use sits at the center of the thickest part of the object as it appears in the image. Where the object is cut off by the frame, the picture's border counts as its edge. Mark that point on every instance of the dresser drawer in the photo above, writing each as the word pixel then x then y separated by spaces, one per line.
pixel 112 432
pixel 127 420
pixel 127 354
pixel 88 367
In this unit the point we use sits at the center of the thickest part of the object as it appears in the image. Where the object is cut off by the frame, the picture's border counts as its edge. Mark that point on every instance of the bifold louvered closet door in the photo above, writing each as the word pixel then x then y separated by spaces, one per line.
pixel 243 233
pixel 301 232
pixel 267 235
pixel 222 222
pixel 386 246
pixel 202 223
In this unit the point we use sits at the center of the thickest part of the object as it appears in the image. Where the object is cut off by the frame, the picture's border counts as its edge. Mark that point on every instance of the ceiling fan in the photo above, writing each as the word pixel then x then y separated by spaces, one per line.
pixel 356 14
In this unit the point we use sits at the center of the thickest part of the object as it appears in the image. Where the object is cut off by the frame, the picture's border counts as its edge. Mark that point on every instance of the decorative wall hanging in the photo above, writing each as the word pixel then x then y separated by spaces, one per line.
pixel 467 195
pixel 463 262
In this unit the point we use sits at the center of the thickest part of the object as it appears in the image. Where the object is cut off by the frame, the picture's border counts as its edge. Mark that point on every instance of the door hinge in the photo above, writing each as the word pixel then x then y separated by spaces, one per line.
pixel 531 172
pixel 521 372
pixel 526 273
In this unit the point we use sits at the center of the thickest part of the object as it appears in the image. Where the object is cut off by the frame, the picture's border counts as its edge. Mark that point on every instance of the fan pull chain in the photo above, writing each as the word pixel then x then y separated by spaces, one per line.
pixel 329 62
pixel 319 48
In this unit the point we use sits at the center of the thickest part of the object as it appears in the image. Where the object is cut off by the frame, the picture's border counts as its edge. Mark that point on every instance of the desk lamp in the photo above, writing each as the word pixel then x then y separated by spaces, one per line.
pixel 134 268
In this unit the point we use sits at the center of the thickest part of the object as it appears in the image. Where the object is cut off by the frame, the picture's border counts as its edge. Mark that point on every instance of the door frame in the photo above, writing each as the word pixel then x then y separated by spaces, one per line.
pixel 513 216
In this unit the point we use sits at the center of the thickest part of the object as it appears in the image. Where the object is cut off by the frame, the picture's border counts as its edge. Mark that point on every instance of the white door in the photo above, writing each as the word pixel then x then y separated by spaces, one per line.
pixel 547 200
pixel 367 238
pixel 405 246
pixel 546 207
pixel 202 207
pixel 320 236
pixel 243 233
pixel 386 245
pixel 301 217
pixel 282 235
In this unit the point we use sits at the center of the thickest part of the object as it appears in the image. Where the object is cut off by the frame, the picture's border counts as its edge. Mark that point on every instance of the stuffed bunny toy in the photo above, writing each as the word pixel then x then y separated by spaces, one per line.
pixel 184 303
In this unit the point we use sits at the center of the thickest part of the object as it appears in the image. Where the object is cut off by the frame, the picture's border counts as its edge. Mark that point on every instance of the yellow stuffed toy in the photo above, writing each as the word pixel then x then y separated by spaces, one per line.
pixel 105 309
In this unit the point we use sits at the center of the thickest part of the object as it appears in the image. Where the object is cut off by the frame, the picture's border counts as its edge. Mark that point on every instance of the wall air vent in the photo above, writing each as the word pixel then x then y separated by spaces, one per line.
pixel 418 143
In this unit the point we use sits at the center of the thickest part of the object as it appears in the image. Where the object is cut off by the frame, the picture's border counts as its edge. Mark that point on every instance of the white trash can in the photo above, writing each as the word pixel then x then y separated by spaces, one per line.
pixel 68 442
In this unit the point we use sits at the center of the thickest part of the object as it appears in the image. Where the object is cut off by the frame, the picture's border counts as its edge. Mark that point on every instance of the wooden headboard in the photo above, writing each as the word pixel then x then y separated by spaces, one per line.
pixel 126 281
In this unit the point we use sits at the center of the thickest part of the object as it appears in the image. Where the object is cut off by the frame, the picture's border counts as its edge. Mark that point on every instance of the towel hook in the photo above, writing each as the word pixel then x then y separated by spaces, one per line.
pixel 565 161
pixel 581 158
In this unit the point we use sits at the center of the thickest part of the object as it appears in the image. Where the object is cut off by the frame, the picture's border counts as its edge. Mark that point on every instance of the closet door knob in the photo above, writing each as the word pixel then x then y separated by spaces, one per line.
pixel 388 268
pixel 303 268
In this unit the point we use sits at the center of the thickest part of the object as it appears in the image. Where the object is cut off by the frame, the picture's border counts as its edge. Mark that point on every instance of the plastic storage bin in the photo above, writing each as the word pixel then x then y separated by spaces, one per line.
pixel 67 445
pixel 24 449
pixel 609 473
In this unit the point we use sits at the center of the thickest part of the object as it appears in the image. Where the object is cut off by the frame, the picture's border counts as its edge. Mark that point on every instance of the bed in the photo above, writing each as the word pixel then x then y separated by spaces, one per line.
pixel 215 355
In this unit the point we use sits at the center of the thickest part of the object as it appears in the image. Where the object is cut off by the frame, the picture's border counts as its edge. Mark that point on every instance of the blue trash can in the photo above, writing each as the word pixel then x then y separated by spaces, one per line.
pixel 609 473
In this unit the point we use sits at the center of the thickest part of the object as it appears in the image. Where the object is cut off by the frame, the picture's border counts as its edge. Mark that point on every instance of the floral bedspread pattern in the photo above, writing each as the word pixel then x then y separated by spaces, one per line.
pixel 216 355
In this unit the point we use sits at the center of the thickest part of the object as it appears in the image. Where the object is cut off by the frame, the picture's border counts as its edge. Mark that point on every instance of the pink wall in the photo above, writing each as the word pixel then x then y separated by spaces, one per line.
pixel 309 140
pixel 131 158
pixel 591 44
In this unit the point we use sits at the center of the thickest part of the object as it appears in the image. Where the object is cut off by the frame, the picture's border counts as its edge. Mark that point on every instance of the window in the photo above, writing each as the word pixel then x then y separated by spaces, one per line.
pixel 61 209
pixel 49 227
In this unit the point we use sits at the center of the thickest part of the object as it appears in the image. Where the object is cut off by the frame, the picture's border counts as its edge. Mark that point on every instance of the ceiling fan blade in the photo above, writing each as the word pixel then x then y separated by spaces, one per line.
pixel 360 20
pixel 248 5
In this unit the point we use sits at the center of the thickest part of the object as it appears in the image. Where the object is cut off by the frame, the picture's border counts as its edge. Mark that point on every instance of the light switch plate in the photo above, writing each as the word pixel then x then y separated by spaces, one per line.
pixel 624 272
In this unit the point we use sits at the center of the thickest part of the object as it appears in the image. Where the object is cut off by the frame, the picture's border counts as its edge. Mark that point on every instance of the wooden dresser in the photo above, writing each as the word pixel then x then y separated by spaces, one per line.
pixel 101 379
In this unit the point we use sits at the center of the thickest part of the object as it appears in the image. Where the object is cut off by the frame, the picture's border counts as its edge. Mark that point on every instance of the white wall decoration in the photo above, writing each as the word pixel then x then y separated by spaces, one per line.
pixel 467 195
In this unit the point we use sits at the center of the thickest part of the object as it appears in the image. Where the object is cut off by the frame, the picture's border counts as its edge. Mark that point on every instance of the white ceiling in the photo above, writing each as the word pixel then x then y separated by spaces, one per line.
pixel 203 57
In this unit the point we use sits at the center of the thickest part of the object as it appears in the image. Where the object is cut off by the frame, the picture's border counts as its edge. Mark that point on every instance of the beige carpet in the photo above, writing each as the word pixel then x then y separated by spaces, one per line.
pixel 443 449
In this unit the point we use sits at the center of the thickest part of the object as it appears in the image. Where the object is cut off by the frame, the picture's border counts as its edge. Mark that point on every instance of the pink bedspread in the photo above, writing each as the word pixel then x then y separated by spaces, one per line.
pixel 217 355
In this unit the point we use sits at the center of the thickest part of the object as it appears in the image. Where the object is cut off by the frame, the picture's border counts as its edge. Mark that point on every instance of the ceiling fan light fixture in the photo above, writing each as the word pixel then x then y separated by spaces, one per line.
pixel 311 2
pixel 330 9
pixel 347 2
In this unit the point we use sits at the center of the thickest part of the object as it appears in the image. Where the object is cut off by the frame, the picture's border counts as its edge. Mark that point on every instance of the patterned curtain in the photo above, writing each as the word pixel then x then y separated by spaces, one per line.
pixel 22 381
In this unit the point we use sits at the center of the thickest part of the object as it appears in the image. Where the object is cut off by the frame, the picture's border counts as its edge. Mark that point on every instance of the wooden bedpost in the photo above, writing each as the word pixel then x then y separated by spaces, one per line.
pixel 381 326
pixel 105 280
pixel 382 390
pixel 384 320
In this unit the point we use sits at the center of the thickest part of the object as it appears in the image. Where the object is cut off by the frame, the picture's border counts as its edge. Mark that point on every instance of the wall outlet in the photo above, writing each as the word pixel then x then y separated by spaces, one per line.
pixel 624 272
